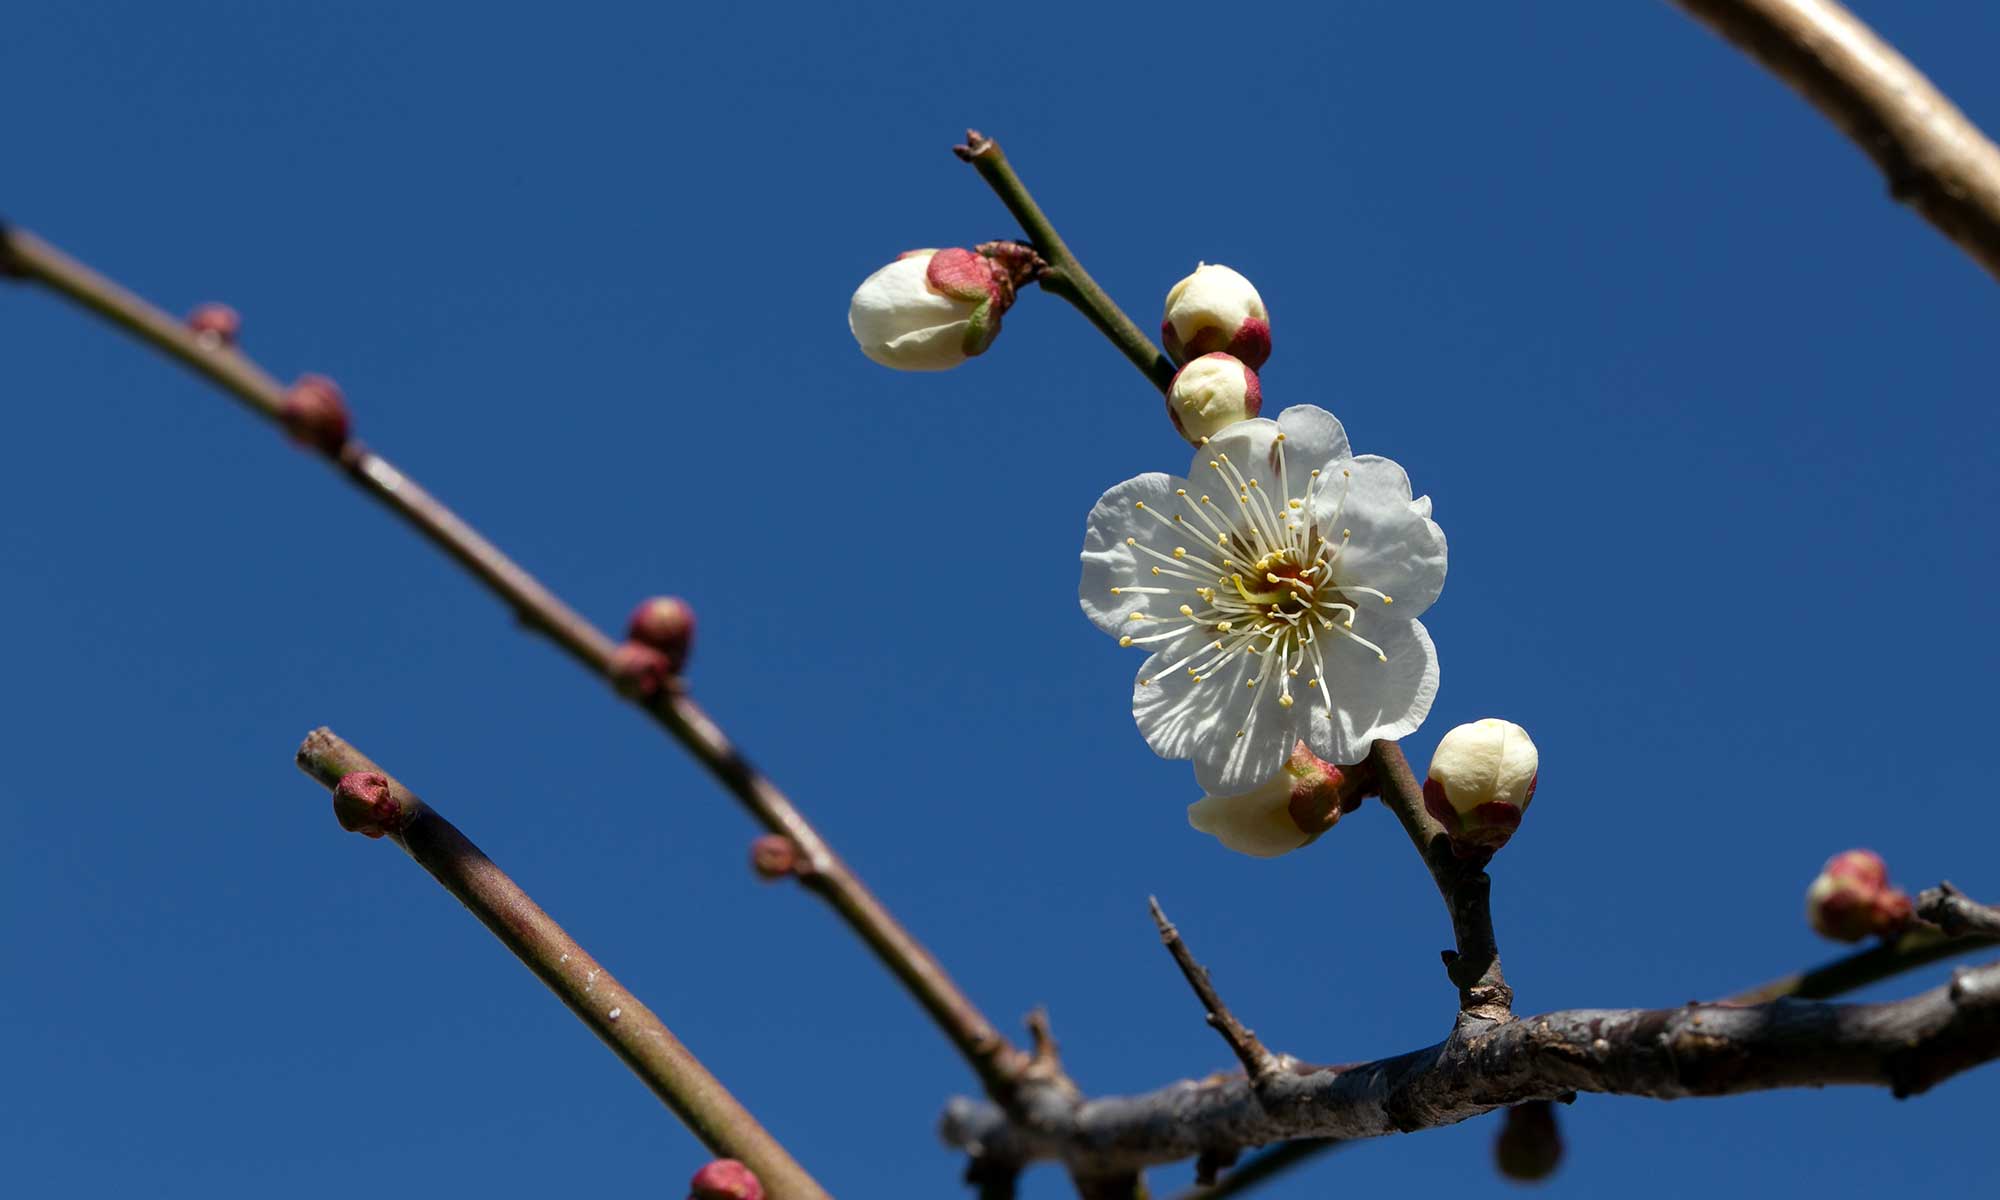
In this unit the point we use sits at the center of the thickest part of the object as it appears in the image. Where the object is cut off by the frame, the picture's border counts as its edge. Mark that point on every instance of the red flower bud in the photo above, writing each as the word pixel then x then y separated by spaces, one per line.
pixel 639 671
pixel 774 856
pixel 315 414
pixel 1530 1146
pixel 1851 899
pixel 365 803
pixel 725 1179
pixel 215 324
pixel 666 623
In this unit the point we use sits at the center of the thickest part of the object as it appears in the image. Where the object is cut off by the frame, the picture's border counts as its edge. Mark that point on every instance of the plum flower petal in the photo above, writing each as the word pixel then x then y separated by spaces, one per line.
pixel 1276 590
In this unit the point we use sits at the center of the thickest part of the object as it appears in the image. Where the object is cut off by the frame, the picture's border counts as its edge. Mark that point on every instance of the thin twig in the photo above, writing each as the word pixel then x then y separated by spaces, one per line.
pixel 995 1061
pixel 1936 160
pixel 1065 276
pixel 1958 915
pixel 601 1002
pixel 1258 1063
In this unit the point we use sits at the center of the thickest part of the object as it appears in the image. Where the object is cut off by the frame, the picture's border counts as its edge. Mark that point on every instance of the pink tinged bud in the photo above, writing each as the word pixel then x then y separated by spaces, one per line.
pixel 639 671
pixel 1211 393
pixel 1851 899
pixel 364 803
pixel 930 310
pixel 315 414
pixel 773 856
pixel 1212 310
pixel 725 1179
pixel 1481 780
pixel 1303 800
pixel 666 623
pixel 1530 1146
pixel 215 324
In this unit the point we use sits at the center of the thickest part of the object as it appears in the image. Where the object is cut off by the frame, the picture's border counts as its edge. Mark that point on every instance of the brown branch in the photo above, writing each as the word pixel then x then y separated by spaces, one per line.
pixel 1697 1050
pixel 615 1015
pixel 1936 161
pixel 1259 1064
pixel 996 1062
pixel 1957 915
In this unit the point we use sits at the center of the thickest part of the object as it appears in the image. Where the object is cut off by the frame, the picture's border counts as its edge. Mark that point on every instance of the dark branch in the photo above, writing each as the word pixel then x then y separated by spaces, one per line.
pixel 1696 1050
pixel 1950 910
pixel 1258 1063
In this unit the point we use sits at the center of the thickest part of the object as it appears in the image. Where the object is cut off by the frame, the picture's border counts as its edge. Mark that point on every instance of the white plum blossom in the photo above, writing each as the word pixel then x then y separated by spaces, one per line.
pixel 1277 592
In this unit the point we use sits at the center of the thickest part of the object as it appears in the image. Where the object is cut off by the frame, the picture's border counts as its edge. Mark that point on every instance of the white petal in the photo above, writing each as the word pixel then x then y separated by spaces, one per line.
pixel 1373 699
pixel 900 321
pixel 1313 436
pixel 1393 549
pixel 1244 734
pixel 1109 563
pixel 1257 823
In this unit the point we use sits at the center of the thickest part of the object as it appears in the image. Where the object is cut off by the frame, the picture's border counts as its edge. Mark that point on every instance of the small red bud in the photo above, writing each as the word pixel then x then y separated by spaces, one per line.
pixel 1529 1147
pixel 215 324
pixel 364 803
pixel 773 856
pixel 725 1179
pixel 666 623
pixel 315 414
pixel 1851 899
pixel 639 671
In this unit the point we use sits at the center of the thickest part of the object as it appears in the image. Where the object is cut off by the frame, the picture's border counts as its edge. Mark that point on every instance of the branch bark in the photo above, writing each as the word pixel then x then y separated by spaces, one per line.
pixel 615 1015
pixel 1957 914
pixel 1696 1050
pixel 1935 160
pixel 993 1059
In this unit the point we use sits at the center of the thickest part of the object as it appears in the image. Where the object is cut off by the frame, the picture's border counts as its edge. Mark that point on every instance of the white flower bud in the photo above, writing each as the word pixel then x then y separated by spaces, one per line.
pixel 1303 800
pixel 1216 309
pixel 930 310
pixel 1480 782
pixel 1211 392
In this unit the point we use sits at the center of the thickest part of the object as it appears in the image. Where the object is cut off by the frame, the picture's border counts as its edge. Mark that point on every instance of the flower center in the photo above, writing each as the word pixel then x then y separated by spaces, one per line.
pixel 1268 584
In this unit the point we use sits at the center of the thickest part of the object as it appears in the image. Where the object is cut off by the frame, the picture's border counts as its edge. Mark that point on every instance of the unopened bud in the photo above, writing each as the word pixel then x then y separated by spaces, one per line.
pixel 725 1179
pixel 639 671
pixel 930 309
pixel 315 414
pixel 1216 309
pixel 1852 898
pixel 1211 392
pixel 215 324
pixel 364 803
pixel 1481 780
pixel 773 857
pixel 1530 1146
pixel 666 623
pixel 1303 800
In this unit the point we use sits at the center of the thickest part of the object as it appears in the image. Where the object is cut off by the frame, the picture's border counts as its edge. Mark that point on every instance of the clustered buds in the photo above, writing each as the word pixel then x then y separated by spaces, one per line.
pixel 1216 309
pixel 1851 899
pixel 1481 780
pixel 773 857
pixel 315 414
pixel 725 1179
pixel 365 803
pixel 215 324
pixel 1530 1146
pixel 1212 391
pixel 930 310
pixel 1304 799
pixel 659 637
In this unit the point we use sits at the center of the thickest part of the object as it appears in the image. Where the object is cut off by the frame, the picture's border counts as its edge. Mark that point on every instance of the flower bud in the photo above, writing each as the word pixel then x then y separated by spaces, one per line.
pixel 666 623
pixel 215 324
pixel 639 671
pixel 1303 800
pixel 1852 898
pixel 1212 391
pixel 725 1179
pixel 364 803
pixel 1530 1146
pixel 773 857
pixel 930 309
pixel 1216 309
pixel 315 414
pixel 1481 780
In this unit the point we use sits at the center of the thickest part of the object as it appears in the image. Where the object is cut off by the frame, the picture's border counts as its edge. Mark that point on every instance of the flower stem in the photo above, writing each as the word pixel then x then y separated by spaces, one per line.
pixel 615 1015
pixel 992 1058
pixel 1065 276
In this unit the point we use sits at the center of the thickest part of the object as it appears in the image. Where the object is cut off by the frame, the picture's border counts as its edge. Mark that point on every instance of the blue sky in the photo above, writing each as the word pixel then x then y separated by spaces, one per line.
pixel 1707 419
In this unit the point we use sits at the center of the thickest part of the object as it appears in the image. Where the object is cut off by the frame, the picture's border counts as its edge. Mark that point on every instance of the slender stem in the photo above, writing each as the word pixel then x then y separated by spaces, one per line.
pixel 1957 914
pixel 996 1062
pixel 1065 275
pixel 1936 161
pixel 1258 1062
pixel 614 1014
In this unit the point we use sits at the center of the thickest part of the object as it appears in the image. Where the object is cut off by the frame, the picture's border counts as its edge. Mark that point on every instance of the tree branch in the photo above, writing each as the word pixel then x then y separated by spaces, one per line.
pixel 1065 276
pixel 1952 911
pixel 615 1015
pixel 998 1064
pixel 1259 1064
pixel 1936 161
pixel 1695 1050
